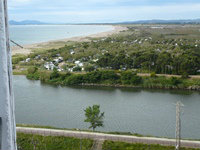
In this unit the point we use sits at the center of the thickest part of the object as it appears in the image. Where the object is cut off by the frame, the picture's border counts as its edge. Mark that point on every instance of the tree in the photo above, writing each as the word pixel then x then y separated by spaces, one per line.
pixel 32 70
pixel 77 69
pixel 89 68
pixel 94 116
pixel 55 74
pixel 129 77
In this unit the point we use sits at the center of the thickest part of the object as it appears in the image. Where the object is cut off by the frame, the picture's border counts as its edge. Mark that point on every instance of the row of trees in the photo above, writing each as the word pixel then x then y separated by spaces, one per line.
pixel 96 77
pixel 113 78
pixel 176 62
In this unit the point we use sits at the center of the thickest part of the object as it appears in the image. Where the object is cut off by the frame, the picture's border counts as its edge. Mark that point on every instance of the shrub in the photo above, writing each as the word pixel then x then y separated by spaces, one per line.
pixel 185 75
pixel 77 69
pixel 35 76
pixel 135 80
pixel 74 80
pixel 32 70
pixel 33 73
pixel 16 59
pixel 109 75
pixel 93 77
pixel 55 74
pixel 110 145
pixel 44 76
pixel 127 77
pixel 38 142
pixel 153 75
pixel 175 81
pixel 89 68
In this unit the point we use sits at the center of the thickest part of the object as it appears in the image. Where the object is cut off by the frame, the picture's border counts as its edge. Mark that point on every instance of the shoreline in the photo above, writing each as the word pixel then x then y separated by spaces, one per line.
pixel 62 42
pixel 154 87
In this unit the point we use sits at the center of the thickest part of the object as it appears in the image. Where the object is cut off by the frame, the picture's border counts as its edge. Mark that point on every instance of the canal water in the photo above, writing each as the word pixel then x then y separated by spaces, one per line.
pixel 146 112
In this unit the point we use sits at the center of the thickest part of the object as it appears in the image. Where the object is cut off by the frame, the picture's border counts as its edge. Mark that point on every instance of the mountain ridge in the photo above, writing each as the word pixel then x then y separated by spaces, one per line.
pixel 153 21
pixel 26 22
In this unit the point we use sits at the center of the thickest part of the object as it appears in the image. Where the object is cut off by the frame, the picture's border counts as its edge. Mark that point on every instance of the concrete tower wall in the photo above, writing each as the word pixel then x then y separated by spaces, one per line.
pixel 8 135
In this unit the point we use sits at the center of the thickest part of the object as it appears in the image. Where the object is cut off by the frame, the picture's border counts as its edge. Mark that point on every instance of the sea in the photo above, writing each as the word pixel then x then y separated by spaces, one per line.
pixel 31 34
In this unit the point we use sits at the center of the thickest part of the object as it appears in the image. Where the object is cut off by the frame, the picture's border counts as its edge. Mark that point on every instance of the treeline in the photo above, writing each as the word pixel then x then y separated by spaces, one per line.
pixel 162 62
pixel 175 52
pixel 113 78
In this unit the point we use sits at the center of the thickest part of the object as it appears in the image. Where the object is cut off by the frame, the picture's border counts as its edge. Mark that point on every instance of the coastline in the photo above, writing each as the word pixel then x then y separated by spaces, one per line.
pixel 62 42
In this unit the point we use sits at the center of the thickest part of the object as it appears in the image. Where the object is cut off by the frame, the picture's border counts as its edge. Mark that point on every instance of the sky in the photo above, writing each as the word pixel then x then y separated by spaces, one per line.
pixel 102 11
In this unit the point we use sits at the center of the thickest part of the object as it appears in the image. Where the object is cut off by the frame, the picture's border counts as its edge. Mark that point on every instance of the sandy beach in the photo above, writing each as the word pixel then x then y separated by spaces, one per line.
pixel 27 49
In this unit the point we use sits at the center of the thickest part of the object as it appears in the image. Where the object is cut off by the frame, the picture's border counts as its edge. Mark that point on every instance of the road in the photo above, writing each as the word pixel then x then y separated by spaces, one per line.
pixel 111 137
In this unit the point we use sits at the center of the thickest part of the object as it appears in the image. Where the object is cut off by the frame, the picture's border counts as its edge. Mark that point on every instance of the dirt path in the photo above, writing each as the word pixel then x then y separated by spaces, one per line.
pixel 167 75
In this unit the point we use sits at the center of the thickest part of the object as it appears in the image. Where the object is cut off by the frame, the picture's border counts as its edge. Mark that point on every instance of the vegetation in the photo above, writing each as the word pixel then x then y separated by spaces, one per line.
pixel 94 116
pixel 109 145
pixel 75 129
pixel 32 73
pixel 171 49
pixel 38 142
pixel 113 78
pixel 153 49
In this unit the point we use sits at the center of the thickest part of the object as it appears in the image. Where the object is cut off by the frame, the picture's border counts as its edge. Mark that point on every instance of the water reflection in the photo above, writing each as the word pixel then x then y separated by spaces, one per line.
pixel 147 112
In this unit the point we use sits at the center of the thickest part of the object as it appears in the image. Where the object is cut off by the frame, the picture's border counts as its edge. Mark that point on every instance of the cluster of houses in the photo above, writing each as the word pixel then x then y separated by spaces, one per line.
pixel 58 63
pixel 72 64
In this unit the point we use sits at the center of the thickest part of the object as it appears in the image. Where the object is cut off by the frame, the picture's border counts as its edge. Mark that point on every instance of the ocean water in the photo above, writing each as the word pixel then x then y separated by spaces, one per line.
pixel 30 34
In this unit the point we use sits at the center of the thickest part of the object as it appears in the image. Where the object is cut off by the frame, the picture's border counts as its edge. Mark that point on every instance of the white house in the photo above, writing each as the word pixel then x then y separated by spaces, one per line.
pixel 58 60
pixel 72 52
pixel 37 57
pixel 49 65
pixel 28 60
pixel 78 63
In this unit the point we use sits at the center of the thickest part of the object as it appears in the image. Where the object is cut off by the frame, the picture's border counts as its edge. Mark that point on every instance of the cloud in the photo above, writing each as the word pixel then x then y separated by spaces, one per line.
pixel 102 10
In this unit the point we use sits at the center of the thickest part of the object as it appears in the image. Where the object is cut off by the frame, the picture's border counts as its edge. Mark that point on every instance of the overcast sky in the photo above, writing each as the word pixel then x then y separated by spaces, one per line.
pixel 101 11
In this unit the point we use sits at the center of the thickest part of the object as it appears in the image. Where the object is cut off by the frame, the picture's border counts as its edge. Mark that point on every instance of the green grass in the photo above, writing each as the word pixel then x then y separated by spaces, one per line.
pixel 23 72
pixel 109 145
pixel 38 142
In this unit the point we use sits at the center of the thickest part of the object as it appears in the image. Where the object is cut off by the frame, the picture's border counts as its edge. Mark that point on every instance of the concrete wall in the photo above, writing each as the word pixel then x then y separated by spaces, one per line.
pixel 8 141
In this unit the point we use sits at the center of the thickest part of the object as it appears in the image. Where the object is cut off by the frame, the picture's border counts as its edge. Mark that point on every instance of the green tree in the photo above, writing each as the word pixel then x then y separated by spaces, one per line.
pixel 32 70
pixel 77 69
pixel 89 68
pixel 55 74
pixel 94 116
pixel 33 73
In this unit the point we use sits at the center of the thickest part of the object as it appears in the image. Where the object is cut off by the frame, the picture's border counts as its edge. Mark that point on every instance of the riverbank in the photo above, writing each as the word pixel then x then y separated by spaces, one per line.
pixel 31 141
pixel 120 79
pixel 27 49
pixel 110 137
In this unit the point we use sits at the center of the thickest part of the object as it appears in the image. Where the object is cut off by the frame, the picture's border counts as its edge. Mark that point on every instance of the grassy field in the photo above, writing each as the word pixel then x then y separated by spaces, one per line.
pixel 37 142
pixel 109 145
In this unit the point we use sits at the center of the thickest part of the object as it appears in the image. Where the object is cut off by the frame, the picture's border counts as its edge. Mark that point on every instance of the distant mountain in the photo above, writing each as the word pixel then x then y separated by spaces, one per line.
pixel 155 21
pixel 26 22
pixel 186 21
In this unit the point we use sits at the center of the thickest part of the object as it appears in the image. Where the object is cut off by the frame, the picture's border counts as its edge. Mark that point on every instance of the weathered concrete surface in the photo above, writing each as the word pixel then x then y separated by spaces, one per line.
pixel 8 140
pixel 112 137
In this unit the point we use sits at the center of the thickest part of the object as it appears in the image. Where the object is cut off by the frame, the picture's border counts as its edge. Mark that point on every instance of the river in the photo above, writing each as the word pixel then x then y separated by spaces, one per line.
pixel 147 112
